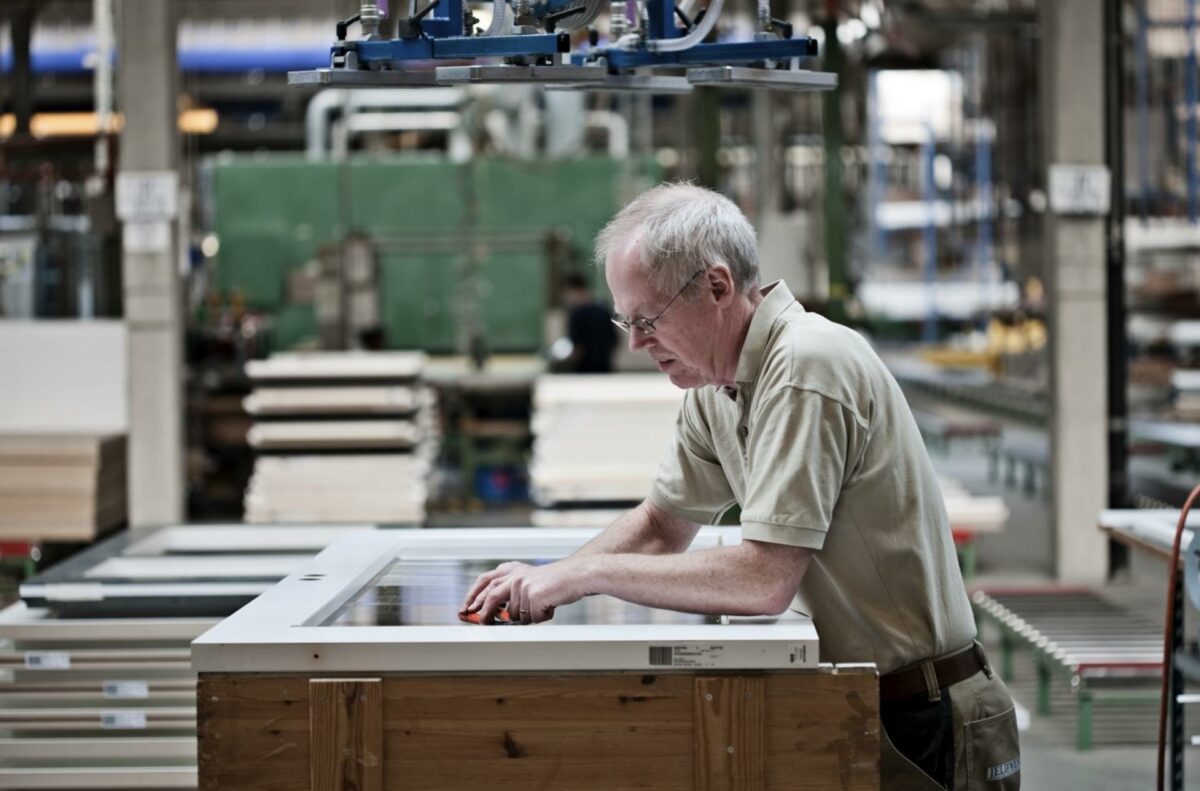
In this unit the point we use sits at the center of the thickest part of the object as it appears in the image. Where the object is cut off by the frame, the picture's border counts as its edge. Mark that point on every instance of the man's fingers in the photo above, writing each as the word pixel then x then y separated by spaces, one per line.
pixel 473 592
pixel 496 595
pixel 518 601
pixel 479 589
pixel 481 597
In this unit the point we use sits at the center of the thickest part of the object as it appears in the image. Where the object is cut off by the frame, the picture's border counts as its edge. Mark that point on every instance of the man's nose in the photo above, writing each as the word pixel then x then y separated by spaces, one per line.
pixel 637 340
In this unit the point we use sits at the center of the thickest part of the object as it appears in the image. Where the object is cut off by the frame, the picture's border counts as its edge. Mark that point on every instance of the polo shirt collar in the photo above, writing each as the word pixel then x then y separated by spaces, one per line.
pixel 777 298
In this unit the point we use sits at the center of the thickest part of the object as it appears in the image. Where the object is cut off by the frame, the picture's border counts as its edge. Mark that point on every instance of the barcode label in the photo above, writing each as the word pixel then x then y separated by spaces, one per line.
pixel 687 655
pixel 126 689
pixel 125 720
pixel 47 660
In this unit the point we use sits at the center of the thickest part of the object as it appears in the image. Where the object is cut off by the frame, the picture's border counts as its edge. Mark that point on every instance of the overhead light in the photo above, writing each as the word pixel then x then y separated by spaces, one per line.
pixel 870 16
pixel 202 121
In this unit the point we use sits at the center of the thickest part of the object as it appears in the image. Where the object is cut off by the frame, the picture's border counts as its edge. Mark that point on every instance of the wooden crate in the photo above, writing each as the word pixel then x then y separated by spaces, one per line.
pixel 810 729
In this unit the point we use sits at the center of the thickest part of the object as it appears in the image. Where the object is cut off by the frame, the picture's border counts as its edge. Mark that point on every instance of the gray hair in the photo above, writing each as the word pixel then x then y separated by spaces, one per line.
pixel 679 230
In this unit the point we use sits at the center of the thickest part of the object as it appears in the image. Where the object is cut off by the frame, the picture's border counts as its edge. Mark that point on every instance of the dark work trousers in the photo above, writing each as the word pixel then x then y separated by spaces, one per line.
pixel 923 732
pixel 966 740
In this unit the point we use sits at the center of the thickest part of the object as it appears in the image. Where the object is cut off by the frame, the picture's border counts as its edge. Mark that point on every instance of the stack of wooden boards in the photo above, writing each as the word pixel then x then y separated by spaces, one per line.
pixel 61 487
pixel 598 441
pixel 342 437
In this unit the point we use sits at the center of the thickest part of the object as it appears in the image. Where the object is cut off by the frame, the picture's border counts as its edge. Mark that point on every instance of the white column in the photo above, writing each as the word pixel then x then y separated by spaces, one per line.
pixel 147 79
pixel 1073 131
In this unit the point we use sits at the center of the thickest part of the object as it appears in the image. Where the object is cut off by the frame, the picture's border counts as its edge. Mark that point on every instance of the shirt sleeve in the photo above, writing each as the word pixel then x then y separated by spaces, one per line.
pixel 690 482
pixel 801 450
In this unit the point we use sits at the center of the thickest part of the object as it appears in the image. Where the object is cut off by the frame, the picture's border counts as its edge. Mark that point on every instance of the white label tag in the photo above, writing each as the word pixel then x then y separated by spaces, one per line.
pixel 47 660
pixel 124 720
pixel 686 655
pixel 1079 189
pixel 126 689
pixel 74 591
pixel 147 195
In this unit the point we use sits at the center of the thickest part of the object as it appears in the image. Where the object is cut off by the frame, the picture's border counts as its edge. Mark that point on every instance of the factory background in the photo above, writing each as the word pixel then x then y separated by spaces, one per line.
pixel 240 318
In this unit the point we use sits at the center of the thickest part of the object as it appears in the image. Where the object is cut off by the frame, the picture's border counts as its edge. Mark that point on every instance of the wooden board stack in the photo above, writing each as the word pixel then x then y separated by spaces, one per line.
pixel 598 439
pixel 61 487
pixel 342 437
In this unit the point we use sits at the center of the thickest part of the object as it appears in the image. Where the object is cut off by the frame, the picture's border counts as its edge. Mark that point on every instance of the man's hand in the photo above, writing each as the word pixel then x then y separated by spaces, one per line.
pixel 532 592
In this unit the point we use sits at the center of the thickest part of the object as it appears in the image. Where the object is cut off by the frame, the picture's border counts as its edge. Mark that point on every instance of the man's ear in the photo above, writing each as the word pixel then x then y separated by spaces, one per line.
pixel 720 281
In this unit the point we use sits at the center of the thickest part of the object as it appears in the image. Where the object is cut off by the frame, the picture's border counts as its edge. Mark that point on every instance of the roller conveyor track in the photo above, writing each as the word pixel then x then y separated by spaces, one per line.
pixel 1079 629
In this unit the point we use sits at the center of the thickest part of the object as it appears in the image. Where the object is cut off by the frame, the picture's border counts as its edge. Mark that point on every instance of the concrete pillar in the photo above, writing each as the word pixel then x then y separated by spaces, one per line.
pixel 1072 56
pixel 147 77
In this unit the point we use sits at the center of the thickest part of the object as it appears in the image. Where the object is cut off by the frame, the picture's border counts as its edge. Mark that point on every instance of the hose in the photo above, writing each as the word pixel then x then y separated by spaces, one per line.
pixel 1168 635
pixel 698 33
pixel 499 13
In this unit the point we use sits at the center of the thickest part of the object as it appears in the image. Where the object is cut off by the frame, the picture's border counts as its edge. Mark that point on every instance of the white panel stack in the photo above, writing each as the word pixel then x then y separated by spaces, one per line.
pixel 344 437
pixel 97 703
pixel 598 439
pixel 61 487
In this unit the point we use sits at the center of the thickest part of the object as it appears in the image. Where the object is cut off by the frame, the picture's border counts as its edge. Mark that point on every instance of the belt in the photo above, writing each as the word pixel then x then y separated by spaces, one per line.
pixel 920 679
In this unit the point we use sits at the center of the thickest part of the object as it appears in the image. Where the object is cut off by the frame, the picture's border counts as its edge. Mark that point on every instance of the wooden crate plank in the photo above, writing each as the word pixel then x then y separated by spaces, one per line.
pixel 253 733
pixel 580 731
pixel 823 730
pixel 614 731
pixel 729 751
pixel 346 734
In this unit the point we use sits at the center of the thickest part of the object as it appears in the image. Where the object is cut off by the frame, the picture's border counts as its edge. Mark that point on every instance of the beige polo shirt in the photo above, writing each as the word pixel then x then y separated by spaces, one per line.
pixel 821 451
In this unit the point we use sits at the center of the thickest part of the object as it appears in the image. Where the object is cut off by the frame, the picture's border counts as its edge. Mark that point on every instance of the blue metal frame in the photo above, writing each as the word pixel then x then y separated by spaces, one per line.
pixel 1143 109
pixel 929 236
pixel 397 51
pixel 443 36
pixel 983 181
pixel 1189 82
pixel 662 20
pixel 877 176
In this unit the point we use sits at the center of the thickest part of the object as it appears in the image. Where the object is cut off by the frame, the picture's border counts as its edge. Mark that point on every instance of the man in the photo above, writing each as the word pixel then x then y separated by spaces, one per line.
pixel 593 337
pixel 795 419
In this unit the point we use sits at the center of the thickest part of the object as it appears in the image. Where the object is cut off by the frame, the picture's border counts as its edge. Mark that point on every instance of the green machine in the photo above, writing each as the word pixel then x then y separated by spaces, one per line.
pixel 461 250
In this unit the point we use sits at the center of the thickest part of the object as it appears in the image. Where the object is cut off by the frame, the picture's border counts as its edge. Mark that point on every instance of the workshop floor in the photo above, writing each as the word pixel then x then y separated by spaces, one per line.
pixel 1124 756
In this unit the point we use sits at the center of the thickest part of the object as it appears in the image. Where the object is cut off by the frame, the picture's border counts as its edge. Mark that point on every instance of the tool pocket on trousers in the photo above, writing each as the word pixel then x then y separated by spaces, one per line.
pixel 993 753
pixel 897 772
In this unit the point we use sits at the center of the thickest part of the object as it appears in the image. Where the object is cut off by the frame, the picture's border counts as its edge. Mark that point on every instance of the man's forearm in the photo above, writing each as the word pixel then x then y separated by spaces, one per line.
pixel 746 579
pixel 644 530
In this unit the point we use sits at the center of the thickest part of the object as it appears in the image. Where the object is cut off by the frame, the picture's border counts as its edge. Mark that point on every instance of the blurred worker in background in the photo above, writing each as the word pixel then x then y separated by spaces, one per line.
pixel 589 328
pixel 796 420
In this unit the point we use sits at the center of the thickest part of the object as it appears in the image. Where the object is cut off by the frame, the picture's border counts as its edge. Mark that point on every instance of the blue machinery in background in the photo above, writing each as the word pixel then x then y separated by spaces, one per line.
pixel 655 46
pixel 1185 25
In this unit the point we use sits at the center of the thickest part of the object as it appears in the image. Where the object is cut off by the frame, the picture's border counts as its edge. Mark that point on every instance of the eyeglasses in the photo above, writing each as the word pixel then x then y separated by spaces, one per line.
pixel 646 326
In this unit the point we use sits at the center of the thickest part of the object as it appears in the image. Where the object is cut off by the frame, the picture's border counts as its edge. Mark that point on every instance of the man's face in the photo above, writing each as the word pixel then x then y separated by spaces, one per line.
pixel 681 344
